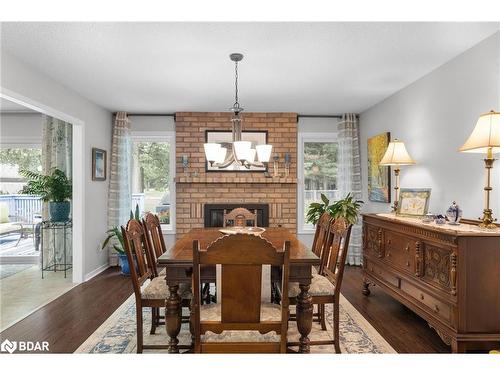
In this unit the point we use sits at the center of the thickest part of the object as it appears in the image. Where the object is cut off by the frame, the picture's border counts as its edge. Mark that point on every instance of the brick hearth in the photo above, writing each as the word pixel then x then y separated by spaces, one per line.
pixel 192 192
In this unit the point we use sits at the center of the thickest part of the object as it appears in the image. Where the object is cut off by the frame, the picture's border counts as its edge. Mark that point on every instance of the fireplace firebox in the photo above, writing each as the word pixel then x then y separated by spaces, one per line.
pixel 214 213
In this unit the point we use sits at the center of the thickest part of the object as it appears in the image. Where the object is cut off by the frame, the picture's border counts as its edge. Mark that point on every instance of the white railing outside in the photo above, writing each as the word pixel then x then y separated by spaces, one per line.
pixel 22 207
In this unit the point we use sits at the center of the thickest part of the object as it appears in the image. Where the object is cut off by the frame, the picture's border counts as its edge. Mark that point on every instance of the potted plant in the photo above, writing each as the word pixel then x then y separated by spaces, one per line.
pixel 54 188
pixel 120 245
pixel 348 208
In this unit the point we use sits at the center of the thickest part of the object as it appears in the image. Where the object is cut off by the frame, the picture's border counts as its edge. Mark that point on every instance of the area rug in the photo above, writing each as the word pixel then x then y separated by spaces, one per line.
pixel 118 333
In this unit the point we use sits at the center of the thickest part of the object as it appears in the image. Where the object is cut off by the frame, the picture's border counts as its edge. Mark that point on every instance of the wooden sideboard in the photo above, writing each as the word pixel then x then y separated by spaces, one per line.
pixel 448 275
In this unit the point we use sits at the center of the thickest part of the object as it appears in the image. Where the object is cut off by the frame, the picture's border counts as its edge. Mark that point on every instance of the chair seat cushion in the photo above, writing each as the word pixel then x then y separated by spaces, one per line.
pixel 269 312
pixel 320 286
pixel 157 289
pixel 163 272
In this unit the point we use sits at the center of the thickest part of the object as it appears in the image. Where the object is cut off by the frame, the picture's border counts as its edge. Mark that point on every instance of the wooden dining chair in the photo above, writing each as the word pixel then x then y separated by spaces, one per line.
pixel 240 322
pixel 155 292
pixel 325 286
pixel 154 238
pixel 239 217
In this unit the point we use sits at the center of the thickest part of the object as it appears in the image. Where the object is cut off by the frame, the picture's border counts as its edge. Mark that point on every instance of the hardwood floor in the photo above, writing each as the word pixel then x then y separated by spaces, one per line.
pixel 69 320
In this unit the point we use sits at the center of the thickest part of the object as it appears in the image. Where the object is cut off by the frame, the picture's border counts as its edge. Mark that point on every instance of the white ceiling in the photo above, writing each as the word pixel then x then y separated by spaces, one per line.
pixel 310 68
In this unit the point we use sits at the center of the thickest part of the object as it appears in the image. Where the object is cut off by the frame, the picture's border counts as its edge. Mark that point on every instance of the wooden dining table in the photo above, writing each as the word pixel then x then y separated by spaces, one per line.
pixel 178 261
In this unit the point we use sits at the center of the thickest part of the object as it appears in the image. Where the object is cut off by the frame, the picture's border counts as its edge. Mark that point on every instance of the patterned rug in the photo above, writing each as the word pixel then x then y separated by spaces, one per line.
pixel 118 333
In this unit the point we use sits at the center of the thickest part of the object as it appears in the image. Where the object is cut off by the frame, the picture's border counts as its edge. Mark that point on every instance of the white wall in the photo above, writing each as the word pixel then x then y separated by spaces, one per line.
pixel 20 128
pixel 434 116
pixel 22 79
pixel 314 125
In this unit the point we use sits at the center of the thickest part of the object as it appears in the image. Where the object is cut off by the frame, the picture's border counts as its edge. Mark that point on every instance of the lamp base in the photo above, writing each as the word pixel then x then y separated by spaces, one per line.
pixel 487 220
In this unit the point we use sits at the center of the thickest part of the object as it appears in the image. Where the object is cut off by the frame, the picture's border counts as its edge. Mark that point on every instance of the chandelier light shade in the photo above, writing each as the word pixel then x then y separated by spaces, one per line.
pixel 212 151
pixel 264 153
pixel 485 139
pixel 241 153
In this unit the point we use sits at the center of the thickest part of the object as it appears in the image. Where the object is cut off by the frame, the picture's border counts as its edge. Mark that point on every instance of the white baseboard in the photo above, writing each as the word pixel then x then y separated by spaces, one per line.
pixel 96 272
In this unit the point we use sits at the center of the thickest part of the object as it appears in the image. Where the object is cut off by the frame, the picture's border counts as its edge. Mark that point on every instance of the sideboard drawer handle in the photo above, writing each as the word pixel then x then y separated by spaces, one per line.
pixel 436 308
pixel 421 296
pixel 389 242
pixel 407 248
pixel 407 264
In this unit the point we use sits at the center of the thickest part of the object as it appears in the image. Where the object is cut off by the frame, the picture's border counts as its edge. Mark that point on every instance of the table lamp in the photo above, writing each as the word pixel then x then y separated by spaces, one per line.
pixel 396 155
pixel 485 139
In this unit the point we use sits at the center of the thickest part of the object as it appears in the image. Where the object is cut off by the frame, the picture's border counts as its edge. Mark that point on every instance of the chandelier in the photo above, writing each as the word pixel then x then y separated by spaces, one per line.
pixel 241 153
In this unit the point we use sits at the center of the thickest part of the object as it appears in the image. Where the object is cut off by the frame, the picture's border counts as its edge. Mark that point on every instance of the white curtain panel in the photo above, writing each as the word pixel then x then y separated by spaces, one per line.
pixel 349 177
pixel 120 193
pixel 57 152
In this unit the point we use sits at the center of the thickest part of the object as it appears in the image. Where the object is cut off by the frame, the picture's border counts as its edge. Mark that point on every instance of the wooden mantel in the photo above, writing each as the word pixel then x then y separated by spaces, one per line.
pixel 235 180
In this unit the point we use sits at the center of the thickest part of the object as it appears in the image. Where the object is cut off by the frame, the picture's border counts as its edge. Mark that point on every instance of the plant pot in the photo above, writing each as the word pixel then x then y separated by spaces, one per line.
pixel 59 211
pixel 124 264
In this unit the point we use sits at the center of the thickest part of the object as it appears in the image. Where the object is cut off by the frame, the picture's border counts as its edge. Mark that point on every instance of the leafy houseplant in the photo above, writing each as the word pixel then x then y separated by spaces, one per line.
pixel 120 246
pixel 348 208
pixel 54 188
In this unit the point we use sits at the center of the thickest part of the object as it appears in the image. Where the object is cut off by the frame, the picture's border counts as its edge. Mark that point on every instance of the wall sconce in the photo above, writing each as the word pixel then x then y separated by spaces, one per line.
pixel 185 162
pixel 288 161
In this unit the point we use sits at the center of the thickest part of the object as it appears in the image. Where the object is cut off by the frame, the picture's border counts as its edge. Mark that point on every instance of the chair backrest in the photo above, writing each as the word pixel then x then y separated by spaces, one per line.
pixel 138 254
pixel 241 257
pixel 321 235
pixel 334 258
pixel 154 239
pixel 239 217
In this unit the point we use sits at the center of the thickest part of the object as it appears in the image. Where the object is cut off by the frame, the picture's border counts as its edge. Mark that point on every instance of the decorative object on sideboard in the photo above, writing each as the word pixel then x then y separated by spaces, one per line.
pixel 185 163
pixel 397 156
pixel 276 172
pixel 240 153
pixel 413 202
pixel 440 219
pixel 379 176
pixel 428 218
pixel 288 161
pixel 224 139
pixel 485 138
pixel 454 214
pixel 99 164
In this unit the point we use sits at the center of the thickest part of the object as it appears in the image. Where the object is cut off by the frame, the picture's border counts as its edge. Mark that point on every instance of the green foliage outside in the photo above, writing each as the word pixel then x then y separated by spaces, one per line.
pixel 320 165
pixel 154 160
pixel 26 158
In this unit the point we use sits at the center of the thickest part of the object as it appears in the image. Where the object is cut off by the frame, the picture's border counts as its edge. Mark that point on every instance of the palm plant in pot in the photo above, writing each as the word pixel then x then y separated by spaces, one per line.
pixel 54 188
pixel 347 208
pixel 119 245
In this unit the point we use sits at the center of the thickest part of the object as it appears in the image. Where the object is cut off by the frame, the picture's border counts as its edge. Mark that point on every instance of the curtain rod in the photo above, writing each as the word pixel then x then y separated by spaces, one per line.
pixel 173 115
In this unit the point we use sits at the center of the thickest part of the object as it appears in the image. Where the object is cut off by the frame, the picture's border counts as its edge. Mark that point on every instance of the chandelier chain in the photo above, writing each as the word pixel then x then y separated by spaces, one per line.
pixel 236 104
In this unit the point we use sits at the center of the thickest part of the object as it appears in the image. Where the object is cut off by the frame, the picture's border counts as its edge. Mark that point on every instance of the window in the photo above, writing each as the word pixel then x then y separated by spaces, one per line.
pixel 153 166
pixel 317 172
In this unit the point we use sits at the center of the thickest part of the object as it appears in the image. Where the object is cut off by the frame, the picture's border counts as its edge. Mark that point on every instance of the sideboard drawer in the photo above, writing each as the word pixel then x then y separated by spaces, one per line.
pixel 435 306
pixel 381 274
pixel 400 251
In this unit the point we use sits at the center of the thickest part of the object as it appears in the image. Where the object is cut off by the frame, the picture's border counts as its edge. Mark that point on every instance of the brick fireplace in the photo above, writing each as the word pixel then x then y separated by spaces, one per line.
pixel 197 187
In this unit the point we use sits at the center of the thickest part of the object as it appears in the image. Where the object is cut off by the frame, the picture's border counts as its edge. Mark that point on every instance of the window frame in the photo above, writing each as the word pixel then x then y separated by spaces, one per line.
pixel 307 137
pixel 165 137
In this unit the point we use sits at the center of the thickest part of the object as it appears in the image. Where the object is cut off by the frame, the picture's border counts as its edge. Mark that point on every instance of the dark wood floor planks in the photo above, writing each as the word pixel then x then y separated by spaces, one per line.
pixel 70 319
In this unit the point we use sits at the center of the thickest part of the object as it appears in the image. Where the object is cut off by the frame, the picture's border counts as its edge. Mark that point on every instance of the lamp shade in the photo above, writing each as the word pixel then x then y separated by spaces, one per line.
pixel 211 151
pixel 396 154
pixel 264 152
pixel 242 149
pixel 486 134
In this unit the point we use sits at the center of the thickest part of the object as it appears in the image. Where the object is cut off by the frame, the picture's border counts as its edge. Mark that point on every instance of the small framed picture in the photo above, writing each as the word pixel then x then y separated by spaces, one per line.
pixel 413 202
pixel 99 164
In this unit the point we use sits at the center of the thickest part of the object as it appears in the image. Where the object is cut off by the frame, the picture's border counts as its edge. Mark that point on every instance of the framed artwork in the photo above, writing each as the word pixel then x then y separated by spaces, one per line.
pixel 379 177
pixel 413 202
pixel 225 138
pixel 99 164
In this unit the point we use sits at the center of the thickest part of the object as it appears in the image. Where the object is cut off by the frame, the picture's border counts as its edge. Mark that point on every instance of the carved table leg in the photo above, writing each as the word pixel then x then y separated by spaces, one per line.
pixel 304 317
pixel 173 317
pixel 458 346
pixel 366 290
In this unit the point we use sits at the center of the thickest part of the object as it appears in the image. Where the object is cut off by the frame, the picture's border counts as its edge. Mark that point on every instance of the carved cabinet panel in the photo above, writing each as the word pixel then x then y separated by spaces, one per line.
pixel 373 241
pixel 437 266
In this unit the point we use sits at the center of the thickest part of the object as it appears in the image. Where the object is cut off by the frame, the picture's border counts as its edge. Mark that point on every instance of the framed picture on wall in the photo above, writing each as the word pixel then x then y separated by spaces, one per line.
pixel 379 177
pixel 99 164
pixel 413 202
pixel 225 138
